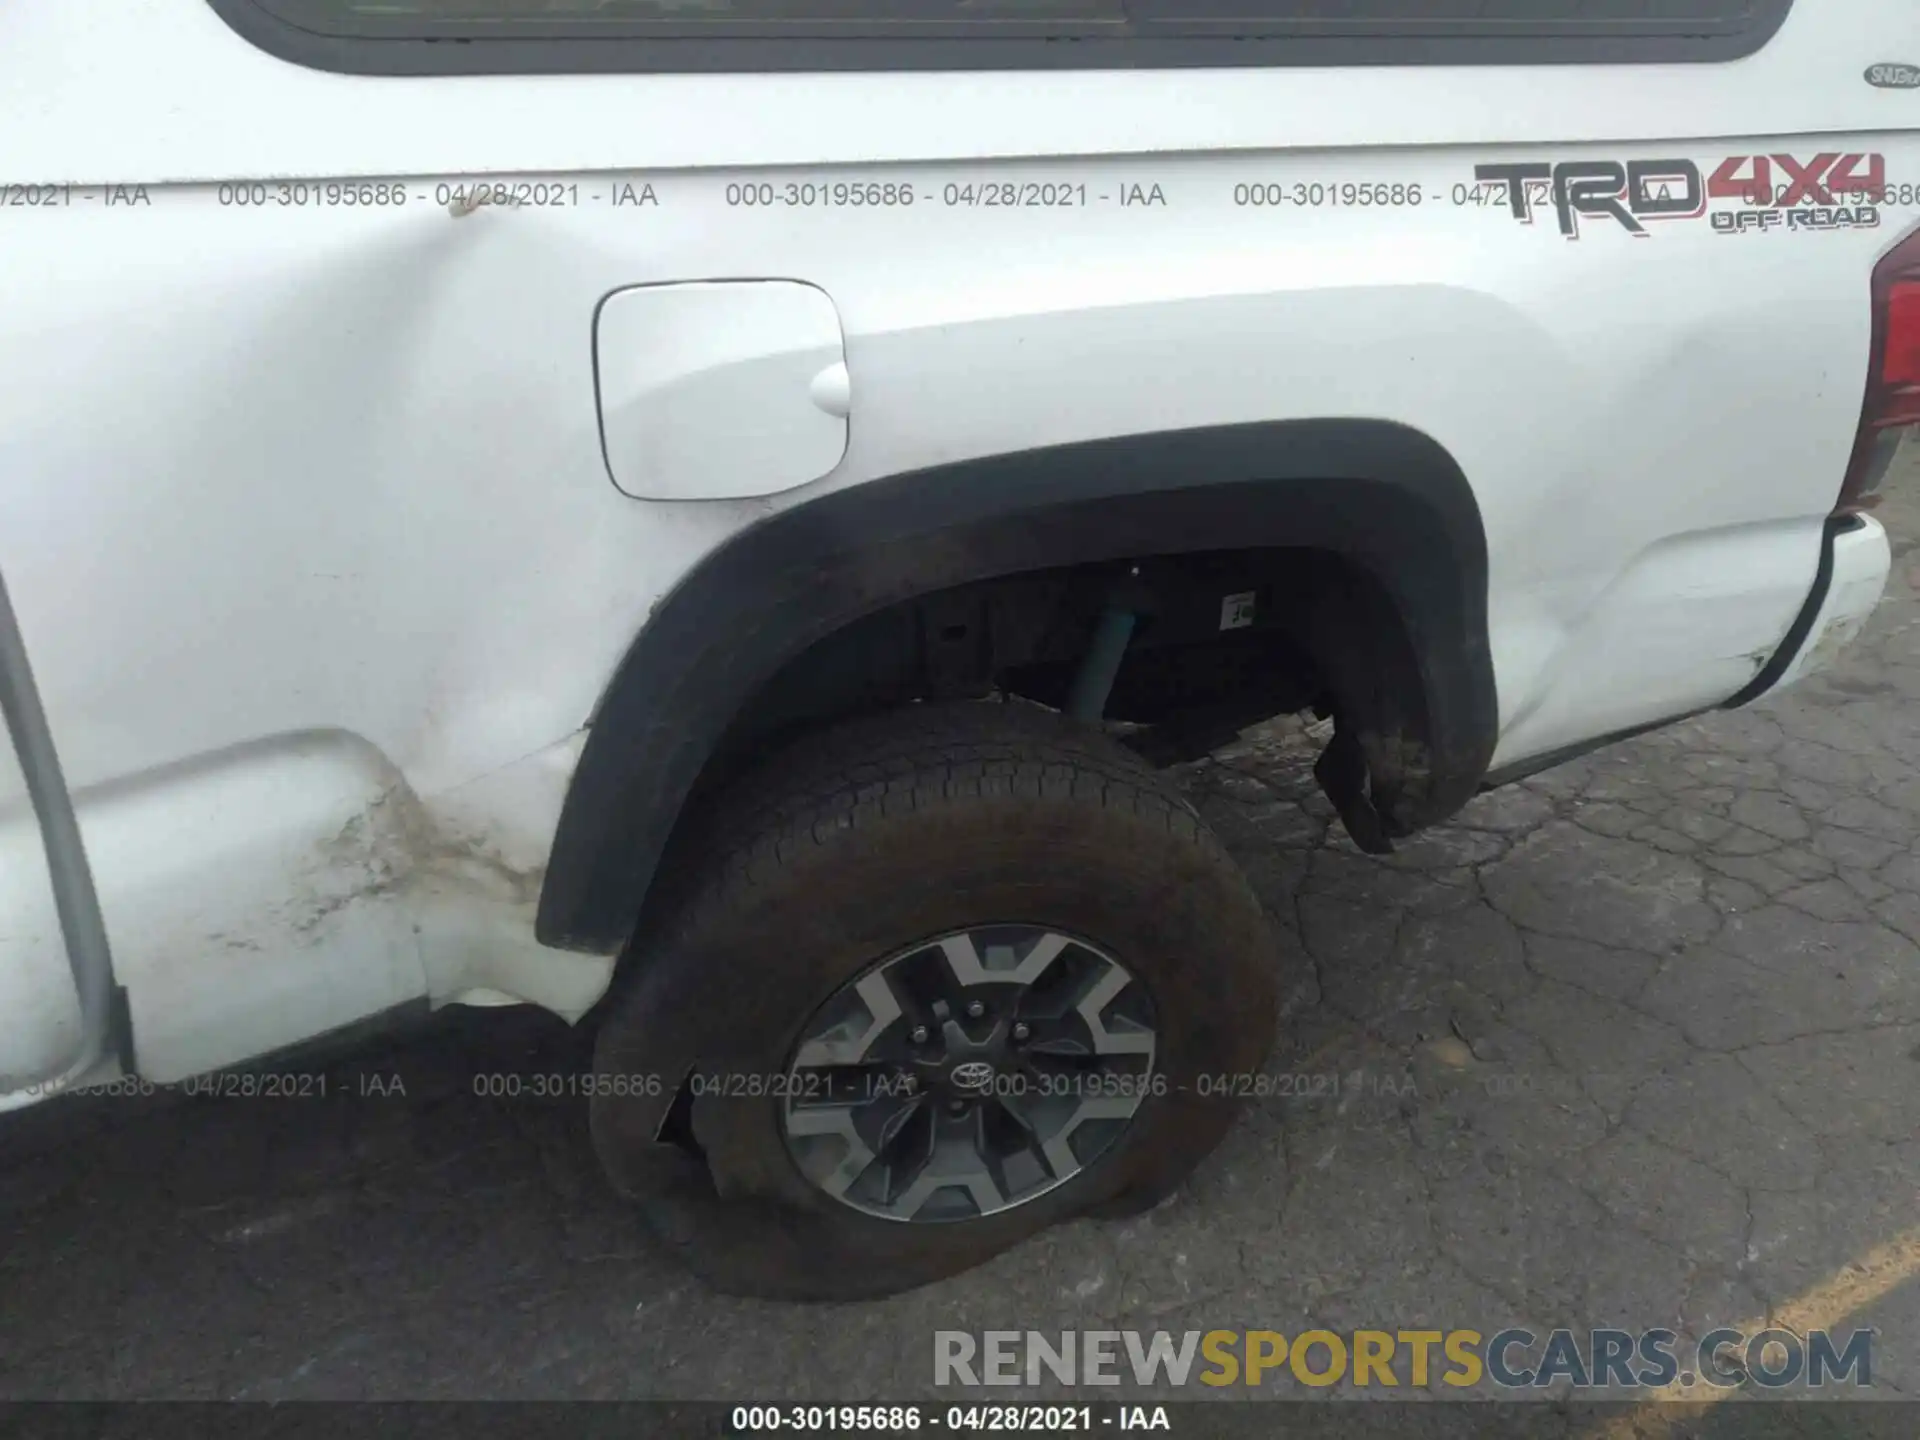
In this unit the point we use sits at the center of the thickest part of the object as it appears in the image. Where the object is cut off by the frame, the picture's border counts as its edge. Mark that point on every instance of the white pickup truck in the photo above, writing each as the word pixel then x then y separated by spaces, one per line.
pixel 715 521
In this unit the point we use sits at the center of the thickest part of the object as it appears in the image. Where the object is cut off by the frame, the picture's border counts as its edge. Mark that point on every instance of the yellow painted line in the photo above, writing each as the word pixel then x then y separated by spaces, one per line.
pixel 1852 1288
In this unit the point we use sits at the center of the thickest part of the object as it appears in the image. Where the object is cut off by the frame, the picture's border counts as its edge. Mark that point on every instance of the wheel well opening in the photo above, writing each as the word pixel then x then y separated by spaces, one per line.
pixel 1360 542
pixel 1223 640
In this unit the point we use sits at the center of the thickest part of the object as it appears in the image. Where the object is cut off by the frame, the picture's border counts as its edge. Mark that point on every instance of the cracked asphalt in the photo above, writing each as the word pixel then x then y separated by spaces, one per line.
pixel 1633 1043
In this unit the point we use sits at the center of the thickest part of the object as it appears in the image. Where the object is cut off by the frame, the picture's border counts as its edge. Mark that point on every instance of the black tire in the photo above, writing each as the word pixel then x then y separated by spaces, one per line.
pixel 873 836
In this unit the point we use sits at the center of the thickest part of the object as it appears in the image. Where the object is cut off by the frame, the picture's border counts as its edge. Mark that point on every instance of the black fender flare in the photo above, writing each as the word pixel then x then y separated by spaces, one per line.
pixel 1387 497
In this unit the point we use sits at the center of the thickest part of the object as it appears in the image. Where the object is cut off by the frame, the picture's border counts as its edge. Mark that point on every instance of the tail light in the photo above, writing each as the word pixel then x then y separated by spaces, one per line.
pixel 1891 411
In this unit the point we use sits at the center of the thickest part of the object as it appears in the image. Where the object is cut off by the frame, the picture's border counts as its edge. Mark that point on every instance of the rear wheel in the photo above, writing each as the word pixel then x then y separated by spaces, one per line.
pixel 942 978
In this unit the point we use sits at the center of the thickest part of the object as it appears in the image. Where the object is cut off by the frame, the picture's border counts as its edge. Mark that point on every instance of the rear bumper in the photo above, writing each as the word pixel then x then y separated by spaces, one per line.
pixel 1853 572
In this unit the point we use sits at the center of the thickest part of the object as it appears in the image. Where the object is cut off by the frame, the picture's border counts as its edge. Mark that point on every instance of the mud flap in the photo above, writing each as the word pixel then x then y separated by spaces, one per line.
pixel 1342 773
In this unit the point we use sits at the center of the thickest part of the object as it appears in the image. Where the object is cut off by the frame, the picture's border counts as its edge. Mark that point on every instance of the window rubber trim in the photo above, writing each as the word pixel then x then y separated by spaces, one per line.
pixel 1226 45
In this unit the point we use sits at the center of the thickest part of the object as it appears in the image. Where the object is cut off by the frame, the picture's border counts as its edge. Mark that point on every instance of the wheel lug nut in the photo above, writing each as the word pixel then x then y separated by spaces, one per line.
pixel 1021 1032
pixel 976 1009
pixel 919 1034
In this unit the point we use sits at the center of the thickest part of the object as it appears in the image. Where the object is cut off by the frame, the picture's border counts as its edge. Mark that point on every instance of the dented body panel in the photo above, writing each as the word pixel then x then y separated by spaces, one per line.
pixel 306 510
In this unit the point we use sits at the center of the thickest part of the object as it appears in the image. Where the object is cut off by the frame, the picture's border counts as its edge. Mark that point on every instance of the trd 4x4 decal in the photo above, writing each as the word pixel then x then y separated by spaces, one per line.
pixel 1773 191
